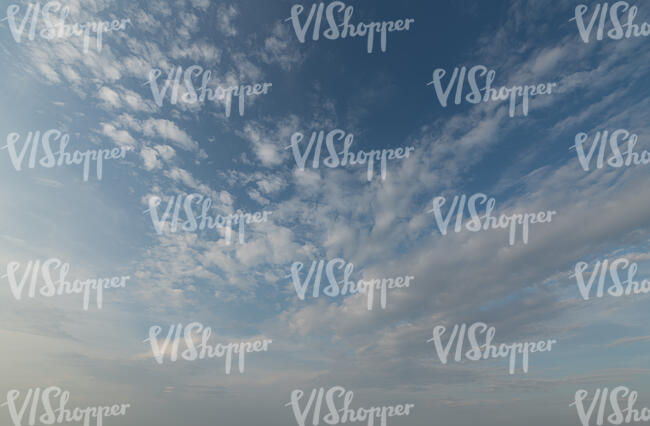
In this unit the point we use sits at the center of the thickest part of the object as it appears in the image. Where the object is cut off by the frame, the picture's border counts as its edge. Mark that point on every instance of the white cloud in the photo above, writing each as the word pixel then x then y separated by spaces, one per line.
pixel 200 52
pixel 150 158
pixel 201 4
pixel 166 152
pixel 121 137
pixel 225 17
pixel 167 129
pixel 281 48
pixel 136 103
pixel 109 97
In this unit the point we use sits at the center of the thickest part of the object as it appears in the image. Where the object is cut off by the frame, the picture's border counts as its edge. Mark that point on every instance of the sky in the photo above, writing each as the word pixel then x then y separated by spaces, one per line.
pixel 243 291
